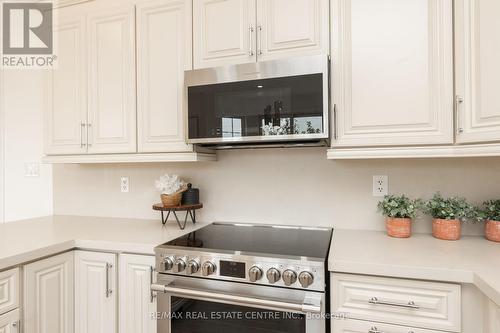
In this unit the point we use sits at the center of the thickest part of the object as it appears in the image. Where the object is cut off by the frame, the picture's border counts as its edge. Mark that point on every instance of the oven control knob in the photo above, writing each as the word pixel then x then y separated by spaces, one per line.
pixel 208 268
pixel 192 267
pixel 273 275
pixel 169 264
pixel 289 277
pixel 179 266
pixel 306 279
pixel 255 274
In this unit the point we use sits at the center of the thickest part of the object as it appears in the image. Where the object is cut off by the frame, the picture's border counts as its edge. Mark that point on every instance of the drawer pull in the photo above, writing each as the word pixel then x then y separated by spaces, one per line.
pixel 409 305
pixel 375 330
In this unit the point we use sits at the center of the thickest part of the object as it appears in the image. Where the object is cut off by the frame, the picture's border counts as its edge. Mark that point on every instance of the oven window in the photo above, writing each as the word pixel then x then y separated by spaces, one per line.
pixel 278 106
pixel 196 316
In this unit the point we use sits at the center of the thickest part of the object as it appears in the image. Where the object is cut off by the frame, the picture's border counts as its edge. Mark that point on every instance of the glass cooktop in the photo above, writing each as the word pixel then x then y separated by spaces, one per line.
pixel 262 239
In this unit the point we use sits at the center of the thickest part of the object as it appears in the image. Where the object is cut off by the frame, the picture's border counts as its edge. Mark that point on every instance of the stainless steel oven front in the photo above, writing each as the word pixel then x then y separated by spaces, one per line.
pixel 187 304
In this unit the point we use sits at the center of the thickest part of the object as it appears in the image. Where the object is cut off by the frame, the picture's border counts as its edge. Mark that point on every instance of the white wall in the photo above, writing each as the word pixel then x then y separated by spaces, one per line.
pixel 23 125
pixel 294 186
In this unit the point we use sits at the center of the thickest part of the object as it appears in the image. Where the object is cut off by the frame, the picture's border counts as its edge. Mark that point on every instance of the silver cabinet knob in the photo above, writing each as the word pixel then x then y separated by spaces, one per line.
pixel 208 268
pixel 169 264
pixel 192 267
pixel 306 279
pixel 289 277
pixel 273 275
pixel 179 266
pixel 255 274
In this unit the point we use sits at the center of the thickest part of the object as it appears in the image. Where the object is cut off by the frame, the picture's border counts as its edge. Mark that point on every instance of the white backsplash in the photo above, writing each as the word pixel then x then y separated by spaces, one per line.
pixel 287 186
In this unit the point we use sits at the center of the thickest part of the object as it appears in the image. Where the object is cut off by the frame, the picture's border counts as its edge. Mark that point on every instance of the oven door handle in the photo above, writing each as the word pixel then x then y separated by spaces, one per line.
pixel 310 305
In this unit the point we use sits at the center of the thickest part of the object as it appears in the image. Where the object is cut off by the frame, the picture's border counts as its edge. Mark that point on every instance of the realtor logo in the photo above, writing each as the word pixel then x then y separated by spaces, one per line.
pixel 27 30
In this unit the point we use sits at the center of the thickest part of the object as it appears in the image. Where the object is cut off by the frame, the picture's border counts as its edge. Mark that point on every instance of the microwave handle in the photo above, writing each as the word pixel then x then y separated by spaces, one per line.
pixel 308 306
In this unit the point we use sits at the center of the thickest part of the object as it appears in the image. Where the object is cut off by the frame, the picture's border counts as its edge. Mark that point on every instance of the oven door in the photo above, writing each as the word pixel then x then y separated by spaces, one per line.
pixel 200 305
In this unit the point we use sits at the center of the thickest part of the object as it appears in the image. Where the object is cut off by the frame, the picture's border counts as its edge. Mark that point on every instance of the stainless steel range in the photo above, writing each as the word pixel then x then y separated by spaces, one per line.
pixel 229 277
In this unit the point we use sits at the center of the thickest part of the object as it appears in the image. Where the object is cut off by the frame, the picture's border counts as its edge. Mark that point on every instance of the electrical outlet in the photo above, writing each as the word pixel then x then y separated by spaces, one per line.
pixel 31 169
pixel 380 186
pixel 125 184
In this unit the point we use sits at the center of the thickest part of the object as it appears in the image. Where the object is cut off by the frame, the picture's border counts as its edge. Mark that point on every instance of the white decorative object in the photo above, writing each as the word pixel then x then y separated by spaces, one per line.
pixel 169 184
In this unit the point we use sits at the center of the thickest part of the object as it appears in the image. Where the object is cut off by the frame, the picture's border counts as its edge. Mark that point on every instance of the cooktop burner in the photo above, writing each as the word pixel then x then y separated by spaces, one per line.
pixel 262 239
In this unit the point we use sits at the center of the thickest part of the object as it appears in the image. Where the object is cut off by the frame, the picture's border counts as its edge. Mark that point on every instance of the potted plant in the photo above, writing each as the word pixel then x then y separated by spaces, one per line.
pixel 171 188
pixel 399 212
pixel 448 214
pixel 491 214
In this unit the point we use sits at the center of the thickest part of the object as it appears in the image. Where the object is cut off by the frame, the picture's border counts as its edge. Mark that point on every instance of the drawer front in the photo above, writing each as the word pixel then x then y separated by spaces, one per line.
pixel 357 326
pixel 9 290
pixel 9 322
pixel 429 305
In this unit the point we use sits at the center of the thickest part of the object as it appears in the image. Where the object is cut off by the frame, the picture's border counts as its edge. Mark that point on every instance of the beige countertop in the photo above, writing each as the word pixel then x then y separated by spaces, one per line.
pixel 29 240
pixel 470 260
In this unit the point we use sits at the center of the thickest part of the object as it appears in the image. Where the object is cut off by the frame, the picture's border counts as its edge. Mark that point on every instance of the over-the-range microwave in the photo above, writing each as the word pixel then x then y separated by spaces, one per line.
pixel 271 103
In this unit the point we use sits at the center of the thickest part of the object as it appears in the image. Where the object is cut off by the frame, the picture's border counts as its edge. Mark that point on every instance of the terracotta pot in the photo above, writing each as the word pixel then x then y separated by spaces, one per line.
pixel 492 231
pixel 398 227
pixel 446 229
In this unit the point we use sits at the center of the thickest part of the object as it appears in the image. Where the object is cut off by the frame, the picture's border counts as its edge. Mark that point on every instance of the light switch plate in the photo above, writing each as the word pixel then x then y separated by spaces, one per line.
pixel 125 184
pixel 31 169
pixel 380 186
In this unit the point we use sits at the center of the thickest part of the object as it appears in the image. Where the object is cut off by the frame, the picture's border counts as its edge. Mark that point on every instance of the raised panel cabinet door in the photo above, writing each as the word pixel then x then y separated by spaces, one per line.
pixel 137 303
pixel 9 290
pixel 493 323
pixel 164 38
pixel 10 322
pixel 95 292
pixel 287 28
pixel 49 295
pixel 65 113
pixel 392 73
pixel 477 70
pixel 223 32
pixel 112 93
pixel 357 326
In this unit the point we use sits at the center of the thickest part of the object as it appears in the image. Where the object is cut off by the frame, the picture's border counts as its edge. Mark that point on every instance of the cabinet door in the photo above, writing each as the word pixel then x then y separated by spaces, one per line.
pixel 112 109
pixel 49 295
pixel 164 41
pixel 66 96
pixel 392 72
pixel 477 70
pixel 10 322
pixel 288 28
pixel 224 32
pixel 356 326
pixel 9 290
pixel 493 323
pixel 95 292
pixel 137 303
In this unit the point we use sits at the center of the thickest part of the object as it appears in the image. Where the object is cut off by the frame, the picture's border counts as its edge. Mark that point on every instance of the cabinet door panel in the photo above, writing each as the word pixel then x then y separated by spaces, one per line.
pixel 95 292
pixel 223 32
pixel 292 28
pixel 112 110
pixel 478 70
pixel 357 326
pixel 161 66
pixel 49 295
pixel 9 322
pixel 9 290
pixel 392 72
pixel 136 301
pixel 66 107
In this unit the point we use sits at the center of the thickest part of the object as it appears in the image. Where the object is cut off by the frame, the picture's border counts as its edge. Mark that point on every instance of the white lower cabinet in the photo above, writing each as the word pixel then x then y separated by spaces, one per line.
pixel 137 303
pixel 358 326
pixel 49 295
pixel 493 318
pixel 95 292
pixel 10 322
pixel 9 290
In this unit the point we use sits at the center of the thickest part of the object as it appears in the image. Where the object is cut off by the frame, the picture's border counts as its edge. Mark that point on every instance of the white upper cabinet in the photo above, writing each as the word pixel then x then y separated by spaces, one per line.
pixel 95 292
pixel 392 72
pixel 49 295
pixel 66 95
pixel 137 302
pixel 288 28
pixel 477 70
pixel 224 32
pixel 164 39
pixel 112 108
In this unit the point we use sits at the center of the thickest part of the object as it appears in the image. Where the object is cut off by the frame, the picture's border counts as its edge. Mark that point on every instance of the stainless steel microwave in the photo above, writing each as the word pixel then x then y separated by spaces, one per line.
pixel 274 102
